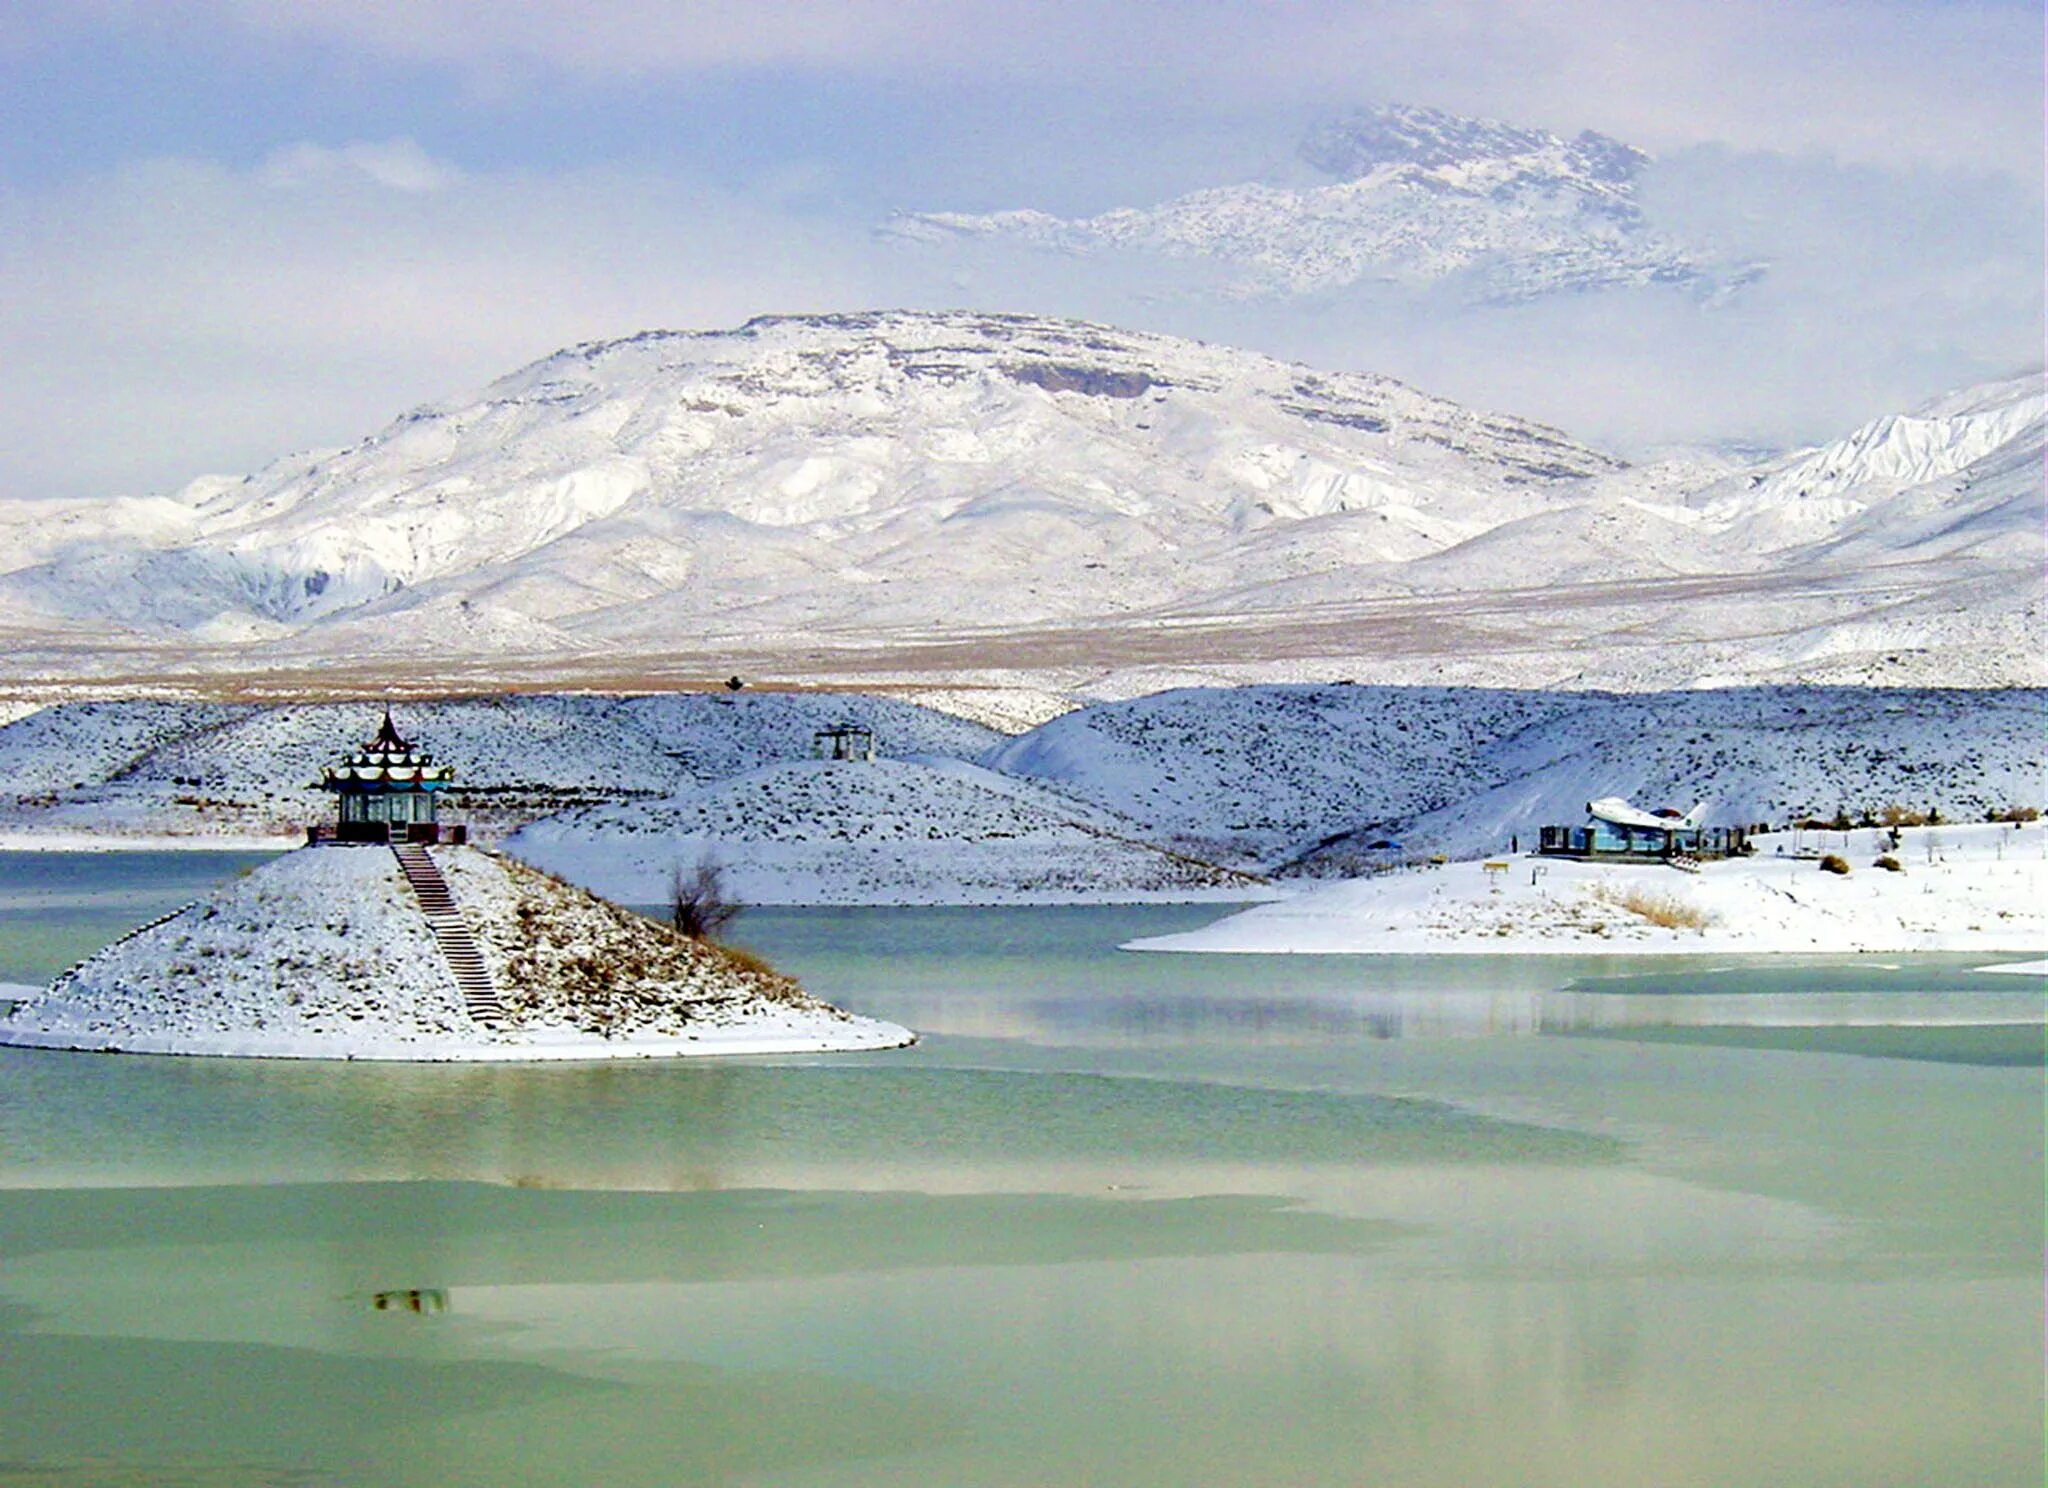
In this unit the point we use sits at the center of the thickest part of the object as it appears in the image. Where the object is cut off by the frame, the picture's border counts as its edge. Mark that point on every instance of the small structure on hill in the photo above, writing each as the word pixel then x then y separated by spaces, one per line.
pixel 387 791
pixel 1617 831
pixel 844 741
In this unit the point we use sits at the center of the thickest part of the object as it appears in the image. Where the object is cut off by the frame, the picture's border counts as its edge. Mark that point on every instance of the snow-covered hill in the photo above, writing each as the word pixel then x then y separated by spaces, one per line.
pixel 1159 796
pixel 880 832
pixel 158 768
pixel 1250 774
pixel 1418 197
pixel 1309 778
pixel 950 500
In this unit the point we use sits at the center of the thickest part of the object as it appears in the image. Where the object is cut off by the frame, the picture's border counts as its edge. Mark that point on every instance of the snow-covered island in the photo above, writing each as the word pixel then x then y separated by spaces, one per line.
pixel 389 937
pixel 1981 887
pixel 324 953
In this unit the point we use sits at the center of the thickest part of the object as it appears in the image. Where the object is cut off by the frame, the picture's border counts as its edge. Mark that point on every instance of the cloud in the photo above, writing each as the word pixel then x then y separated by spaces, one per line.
pixel 175 317
pixel 1885 288
pixel 1862 79
pixel 399 164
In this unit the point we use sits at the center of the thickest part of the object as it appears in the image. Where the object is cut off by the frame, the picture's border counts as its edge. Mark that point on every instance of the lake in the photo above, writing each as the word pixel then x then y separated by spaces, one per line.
pixel 1118 1218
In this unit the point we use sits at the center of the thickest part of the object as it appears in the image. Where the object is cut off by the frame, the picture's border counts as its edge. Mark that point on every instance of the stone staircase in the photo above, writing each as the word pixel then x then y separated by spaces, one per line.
pixel 451 932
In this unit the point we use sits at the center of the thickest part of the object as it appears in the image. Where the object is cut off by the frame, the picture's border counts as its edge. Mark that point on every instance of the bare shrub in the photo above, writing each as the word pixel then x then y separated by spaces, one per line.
pixel 1835 863
pixel 2016 814
pixel 1889 863
pixel 698 905
pixel 1666 910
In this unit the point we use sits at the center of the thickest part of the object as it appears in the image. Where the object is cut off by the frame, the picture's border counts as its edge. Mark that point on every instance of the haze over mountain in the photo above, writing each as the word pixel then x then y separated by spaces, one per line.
pixel 939 498
pixel 1417 197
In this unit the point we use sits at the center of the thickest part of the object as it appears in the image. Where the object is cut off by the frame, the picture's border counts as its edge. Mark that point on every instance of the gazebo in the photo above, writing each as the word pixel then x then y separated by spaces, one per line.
pixel 387 792
pixel 844 741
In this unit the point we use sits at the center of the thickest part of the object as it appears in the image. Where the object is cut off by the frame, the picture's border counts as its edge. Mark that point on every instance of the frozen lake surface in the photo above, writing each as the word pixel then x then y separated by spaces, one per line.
pixel 1118 1219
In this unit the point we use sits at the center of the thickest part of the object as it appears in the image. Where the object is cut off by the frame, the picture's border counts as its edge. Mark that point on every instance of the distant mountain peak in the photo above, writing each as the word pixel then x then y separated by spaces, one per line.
pixel 1419 197
pixel 1354 145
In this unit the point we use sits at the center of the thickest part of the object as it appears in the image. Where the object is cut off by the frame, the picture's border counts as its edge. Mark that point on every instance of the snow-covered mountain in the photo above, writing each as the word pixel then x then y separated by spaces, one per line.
pixel 821 474
pixel 1417 197
pixel 1960 471
pixel 948 499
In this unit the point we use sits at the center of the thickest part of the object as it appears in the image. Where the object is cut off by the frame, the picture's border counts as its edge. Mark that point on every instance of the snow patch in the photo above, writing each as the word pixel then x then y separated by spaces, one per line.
pixel 1976 888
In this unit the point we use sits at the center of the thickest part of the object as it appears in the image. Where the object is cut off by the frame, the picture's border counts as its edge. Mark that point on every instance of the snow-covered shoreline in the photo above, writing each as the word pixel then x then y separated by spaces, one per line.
pixel 103 842
pixel 800 1034
pixel 1978 888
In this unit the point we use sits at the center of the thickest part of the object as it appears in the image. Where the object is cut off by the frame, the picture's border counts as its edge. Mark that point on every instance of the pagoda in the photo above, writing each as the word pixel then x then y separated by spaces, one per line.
pixel 387 793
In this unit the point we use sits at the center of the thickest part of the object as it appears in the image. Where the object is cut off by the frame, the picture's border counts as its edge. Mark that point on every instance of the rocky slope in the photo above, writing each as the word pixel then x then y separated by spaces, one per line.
pixel 1156 797
pixel 1306 779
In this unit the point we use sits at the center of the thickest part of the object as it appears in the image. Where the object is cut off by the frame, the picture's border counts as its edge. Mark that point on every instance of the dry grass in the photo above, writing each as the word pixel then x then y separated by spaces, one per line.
pixel 742 958
pixel 1668 911
pixel 774 985
pixel 1835 863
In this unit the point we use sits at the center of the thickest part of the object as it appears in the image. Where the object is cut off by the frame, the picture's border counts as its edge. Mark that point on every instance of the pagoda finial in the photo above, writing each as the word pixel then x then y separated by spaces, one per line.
pixel 388 736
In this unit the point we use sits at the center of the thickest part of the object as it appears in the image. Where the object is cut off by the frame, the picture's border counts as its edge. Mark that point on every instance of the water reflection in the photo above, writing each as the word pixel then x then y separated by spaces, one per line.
pixel 680 1129
pixel 427 1300
pixel 1052 978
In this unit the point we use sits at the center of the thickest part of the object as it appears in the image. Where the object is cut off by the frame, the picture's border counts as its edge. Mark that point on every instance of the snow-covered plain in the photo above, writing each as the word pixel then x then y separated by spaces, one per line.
pixel 325 954
pixel 1982 887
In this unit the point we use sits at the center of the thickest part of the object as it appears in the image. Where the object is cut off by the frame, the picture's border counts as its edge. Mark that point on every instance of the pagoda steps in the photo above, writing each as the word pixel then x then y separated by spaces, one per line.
pixel 451 932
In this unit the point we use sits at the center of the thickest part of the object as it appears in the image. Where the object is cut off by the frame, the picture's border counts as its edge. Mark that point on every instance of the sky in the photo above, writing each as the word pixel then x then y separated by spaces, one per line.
pixel 233 229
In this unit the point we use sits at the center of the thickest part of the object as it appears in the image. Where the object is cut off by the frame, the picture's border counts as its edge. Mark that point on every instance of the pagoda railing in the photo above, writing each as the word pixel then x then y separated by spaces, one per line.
pixel 383 834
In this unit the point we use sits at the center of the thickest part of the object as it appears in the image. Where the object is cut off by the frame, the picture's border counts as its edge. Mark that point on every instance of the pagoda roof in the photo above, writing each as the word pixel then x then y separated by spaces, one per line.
pixel 389 761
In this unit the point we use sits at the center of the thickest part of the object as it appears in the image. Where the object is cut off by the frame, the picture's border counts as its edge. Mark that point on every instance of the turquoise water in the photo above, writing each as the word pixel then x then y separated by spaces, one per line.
pixel 58 907
pixel 1117 1219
